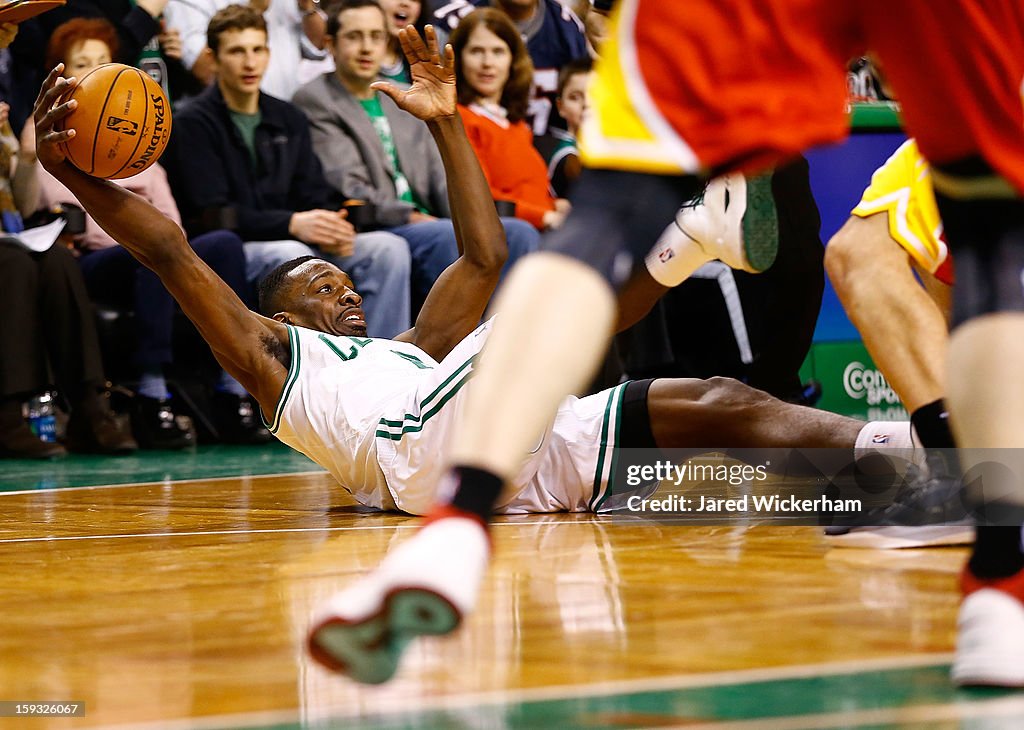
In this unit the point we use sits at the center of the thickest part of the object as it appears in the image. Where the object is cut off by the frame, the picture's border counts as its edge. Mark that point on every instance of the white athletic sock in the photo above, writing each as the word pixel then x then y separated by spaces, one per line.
pixel 892 438
pixel 675 257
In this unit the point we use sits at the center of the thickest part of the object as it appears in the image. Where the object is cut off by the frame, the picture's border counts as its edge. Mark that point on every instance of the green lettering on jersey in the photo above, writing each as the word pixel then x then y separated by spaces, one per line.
pixel 413 359
pixel 346 356
pixel 353 351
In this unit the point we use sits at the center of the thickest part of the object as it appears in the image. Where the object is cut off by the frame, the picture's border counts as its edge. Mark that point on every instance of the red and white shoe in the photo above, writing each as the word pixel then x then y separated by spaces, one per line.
pixel 424 587
pixel 990 632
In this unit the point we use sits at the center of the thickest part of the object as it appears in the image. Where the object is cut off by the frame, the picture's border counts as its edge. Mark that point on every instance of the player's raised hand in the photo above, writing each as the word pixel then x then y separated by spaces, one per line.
pixel 47 112
pixel 432 94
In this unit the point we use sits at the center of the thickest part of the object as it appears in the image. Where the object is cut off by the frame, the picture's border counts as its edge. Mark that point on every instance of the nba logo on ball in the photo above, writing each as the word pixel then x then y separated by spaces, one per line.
pixel 122 123
pixel 124 126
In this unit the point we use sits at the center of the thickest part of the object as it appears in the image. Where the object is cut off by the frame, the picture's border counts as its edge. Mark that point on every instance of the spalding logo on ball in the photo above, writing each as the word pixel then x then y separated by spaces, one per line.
pixel 122 123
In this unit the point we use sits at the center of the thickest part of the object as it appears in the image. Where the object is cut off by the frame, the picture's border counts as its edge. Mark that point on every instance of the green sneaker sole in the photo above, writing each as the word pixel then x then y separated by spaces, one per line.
pixel 760 224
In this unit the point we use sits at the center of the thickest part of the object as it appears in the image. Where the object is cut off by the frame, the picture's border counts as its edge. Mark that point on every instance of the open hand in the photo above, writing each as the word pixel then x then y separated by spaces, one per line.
pixel 47 112
pixel 432 94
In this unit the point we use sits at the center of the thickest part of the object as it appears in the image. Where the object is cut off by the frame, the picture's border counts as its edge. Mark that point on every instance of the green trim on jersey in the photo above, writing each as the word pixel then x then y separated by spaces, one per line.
pixel 411 422
pixel 289 383
pixel 614 399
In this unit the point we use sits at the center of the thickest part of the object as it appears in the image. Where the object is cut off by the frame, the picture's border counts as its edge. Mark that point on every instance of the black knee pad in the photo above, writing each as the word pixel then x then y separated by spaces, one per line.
pixel 617 217
pixel 986 239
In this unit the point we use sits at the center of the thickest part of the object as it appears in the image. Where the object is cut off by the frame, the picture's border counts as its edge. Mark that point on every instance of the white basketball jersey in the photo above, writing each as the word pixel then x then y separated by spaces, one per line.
pixel 336 390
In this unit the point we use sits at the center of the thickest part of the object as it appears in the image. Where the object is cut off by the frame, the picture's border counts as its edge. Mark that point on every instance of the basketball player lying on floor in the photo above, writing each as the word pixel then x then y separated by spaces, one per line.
pixel 376 413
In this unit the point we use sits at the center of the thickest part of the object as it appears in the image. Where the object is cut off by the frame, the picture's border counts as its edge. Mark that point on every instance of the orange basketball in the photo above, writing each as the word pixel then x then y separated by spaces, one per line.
pixel 122 122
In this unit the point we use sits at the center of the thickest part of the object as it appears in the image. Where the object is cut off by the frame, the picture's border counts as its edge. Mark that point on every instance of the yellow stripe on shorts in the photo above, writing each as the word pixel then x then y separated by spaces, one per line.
pixel 902 189
pixel 623 130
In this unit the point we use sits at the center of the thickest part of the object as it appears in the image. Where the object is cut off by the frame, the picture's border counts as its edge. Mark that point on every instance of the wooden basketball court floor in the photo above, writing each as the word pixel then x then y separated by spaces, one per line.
pixel 185 603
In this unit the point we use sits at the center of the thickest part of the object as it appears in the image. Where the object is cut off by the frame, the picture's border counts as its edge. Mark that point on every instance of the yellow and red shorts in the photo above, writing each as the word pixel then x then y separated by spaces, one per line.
pixel 902 189
pixel 709 86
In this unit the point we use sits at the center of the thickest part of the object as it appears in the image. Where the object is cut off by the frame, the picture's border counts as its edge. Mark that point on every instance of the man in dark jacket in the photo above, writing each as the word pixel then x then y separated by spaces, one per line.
pixel 242 159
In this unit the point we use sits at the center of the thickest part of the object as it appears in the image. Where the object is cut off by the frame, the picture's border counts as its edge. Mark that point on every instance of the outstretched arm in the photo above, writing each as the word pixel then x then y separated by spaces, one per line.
pixel 252 348
pixel 457 300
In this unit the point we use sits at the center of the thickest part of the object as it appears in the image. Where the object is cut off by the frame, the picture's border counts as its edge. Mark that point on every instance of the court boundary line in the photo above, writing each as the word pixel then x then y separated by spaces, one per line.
pixel 409 524
pixel 163 482
pixel 575 691
pixel 898 716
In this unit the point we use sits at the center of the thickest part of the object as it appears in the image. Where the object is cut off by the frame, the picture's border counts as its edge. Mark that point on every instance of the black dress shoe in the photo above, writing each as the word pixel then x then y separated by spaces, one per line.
pixel 18 441
pixel 157 426
pixel 237 420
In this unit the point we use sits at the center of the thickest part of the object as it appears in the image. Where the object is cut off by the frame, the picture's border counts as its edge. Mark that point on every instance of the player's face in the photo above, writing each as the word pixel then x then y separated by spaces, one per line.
pixel 322 297
pixel 486 61
pixel 242 58
pixel 85 56
pixel 573 101
pixel 400 13
pixel 359 47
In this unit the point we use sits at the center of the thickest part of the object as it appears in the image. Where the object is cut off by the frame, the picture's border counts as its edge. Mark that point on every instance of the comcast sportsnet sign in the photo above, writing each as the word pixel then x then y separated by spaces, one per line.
pixel 863 381
pixel 850 382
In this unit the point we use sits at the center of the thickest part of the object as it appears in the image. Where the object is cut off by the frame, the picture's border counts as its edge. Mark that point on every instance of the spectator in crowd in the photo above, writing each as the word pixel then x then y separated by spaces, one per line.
pixel 553 34
pixel 143 41
pixel 558 146
pixel 295 30
pixel 47 324
pixel 398 14
pixel 115 278
pixel 493 73
pixel 373 151
pixel 238 153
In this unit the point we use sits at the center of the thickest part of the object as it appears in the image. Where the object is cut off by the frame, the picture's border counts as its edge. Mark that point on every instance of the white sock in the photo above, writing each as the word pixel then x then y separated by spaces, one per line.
pixel 891 438
pixel 674 257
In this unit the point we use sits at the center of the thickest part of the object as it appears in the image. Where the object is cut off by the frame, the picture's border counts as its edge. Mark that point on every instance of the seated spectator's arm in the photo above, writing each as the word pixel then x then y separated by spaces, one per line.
pixel 252 348
pixel 25 181
pixel 342 163
pixel 314 23
pixel 537 215
pixel 191 18
pixel 137 27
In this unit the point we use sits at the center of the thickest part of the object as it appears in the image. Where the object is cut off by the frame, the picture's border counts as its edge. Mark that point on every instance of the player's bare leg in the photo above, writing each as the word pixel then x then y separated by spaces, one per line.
pixel 903 328
pixel 990 639
pixel 984 223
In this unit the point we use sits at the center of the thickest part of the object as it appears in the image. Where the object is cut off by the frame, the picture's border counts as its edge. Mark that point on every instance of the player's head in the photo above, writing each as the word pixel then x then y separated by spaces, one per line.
pixel 400 13
pixel 572 91
pixel 82 44
pixel 357 35
pixel 314 293
pixel 236 40
pixel 491 62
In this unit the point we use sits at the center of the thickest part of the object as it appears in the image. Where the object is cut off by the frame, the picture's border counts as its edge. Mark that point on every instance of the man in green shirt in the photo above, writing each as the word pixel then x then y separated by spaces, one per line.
pixel 373 151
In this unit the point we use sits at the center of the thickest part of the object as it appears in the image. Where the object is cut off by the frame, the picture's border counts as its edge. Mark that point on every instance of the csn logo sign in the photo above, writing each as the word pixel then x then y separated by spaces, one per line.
pixel 860 381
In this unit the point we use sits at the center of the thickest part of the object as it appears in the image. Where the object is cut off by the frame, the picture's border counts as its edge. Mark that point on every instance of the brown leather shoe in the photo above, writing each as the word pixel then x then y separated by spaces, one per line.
pixel 18 441
pixel 94 428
